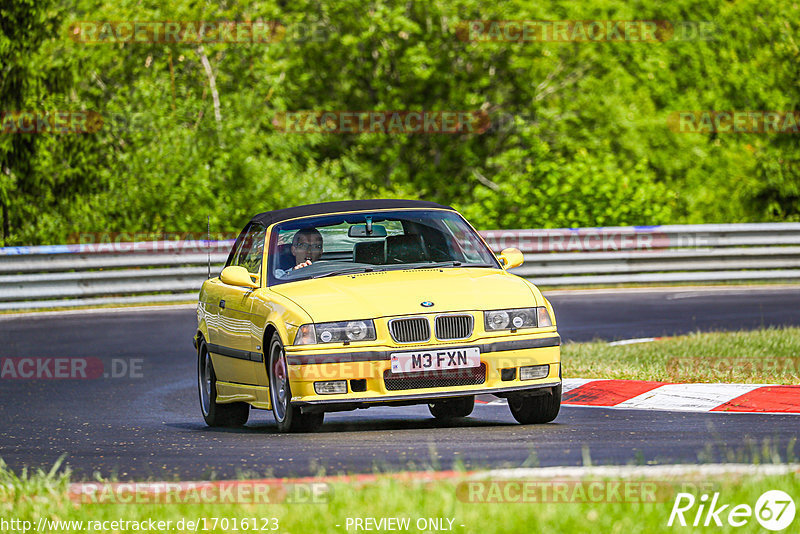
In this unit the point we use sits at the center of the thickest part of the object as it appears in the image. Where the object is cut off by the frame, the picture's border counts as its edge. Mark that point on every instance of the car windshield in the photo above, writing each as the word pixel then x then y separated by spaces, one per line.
pixel 370 241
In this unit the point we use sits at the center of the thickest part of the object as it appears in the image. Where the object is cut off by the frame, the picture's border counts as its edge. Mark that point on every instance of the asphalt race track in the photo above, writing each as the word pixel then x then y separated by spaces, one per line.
pixel 149 426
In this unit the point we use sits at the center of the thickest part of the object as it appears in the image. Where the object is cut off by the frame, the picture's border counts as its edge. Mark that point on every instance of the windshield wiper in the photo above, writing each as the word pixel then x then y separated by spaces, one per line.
pixel 347 271
pixel 479 265
pixel 451 263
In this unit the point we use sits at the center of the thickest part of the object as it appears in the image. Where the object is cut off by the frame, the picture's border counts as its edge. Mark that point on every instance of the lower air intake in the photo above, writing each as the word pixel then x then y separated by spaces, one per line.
pixel 435 379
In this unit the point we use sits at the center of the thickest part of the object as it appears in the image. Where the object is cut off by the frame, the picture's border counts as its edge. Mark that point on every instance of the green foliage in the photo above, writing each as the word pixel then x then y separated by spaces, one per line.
pixel 33 78
pixel 579 133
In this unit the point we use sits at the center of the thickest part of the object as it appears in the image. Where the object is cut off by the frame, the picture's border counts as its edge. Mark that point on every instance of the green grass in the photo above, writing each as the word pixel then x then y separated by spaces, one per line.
pixel 30 496
pixel 760 356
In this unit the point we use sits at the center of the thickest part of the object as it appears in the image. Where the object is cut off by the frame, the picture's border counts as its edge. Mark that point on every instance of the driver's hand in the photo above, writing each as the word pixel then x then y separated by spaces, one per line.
pixel 304 264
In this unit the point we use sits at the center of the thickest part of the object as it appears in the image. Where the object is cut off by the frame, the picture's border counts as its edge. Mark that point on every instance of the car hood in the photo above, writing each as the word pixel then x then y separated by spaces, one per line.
pixel 389 293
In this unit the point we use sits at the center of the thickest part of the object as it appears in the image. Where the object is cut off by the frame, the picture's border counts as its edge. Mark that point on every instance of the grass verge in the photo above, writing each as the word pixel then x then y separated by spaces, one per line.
pixel 768 356
pixel 485 506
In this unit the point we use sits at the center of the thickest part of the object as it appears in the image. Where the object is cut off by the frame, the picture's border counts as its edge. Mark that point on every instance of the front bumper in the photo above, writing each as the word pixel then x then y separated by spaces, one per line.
pixel 370 381
pixel 328 405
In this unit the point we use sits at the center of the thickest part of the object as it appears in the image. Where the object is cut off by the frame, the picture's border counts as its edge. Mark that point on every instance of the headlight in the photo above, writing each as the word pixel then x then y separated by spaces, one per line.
pixel 339 332
pixel 516 318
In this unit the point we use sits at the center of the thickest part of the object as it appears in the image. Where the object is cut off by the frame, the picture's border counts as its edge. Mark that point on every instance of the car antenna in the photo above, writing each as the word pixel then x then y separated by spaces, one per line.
pixel 208 245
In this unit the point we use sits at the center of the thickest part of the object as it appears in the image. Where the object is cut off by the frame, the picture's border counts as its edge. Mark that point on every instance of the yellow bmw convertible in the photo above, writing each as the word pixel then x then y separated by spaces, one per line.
pixel 345 305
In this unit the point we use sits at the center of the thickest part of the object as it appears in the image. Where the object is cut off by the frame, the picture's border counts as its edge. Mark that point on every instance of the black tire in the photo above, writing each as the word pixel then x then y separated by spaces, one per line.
pixel 537 409
pixel 231 414
pixel 452 408
pixel 288 417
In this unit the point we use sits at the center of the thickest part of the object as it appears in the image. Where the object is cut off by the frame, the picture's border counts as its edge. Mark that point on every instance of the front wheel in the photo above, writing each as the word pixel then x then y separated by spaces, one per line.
pixel 288 417
pixel 536 409
pixel 231 414
pixel 452 408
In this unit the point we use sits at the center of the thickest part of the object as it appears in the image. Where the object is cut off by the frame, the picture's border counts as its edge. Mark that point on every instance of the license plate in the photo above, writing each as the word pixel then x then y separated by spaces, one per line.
pixel 436 360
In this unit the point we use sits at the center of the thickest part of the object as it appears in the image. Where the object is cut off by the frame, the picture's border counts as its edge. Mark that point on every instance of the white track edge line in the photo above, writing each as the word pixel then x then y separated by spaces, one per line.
pixel 94 311
pixel 643 471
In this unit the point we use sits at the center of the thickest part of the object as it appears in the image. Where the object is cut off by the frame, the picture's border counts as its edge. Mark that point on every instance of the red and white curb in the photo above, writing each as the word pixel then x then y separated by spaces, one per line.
pixel 639 471
pixel 649 395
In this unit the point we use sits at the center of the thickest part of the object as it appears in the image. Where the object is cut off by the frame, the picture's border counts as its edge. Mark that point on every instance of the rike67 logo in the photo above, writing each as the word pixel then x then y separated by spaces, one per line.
pixel 774 510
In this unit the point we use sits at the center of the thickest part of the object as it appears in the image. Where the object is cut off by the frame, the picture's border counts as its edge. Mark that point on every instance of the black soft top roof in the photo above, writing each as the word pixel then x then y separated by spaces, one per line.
pixel 270 217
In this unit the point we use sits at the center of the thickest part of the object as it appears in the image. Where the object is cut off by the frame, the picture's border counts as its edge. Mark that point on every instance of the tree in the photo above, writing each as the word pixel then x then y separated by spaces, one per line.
pixel 32 80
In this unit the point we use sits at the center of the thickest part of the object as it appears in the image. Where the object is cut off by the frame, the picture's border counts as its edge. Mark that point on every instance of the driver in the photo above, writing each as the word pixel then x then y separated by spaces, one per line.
pixel 306 249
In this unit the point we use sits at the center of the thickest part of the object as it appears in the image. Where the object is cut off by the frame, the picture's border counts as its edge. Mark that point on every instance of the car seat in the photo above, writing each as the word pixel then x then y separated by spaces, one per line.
pixel 405 248
pixel 286 260
pixel 372 252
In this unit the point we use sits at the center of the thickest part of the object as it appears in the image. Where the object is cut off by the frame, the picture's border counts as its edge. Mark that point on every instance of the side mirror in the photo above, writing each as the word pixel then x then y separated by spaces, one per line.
pixel 237 276
pixel 511 257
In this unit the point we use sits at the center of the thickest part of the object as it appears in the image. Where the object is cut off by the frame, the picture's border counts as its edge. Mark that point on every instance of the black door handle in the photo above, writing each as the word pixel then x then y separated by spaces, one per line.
pixel 222 304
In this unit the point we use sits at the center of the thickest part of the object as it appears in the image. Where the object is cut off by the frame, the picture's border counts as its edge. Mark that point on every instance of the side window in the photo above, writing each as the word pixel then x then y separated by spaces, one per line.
pixel 251 253
pixel 237 245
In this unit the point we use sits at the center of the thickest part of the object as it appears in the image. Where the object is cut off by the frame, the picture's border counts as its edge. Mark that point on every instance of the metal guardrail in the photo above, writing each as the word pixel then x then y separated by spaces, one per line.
pixel 55 276
pixel 171 271
pixel 655 254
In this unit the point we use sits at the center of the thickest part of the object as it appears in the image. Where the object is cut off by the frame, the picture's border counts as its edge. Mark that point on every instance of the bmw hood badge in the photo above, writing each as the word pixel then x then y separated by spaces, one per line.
pixel 426 303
